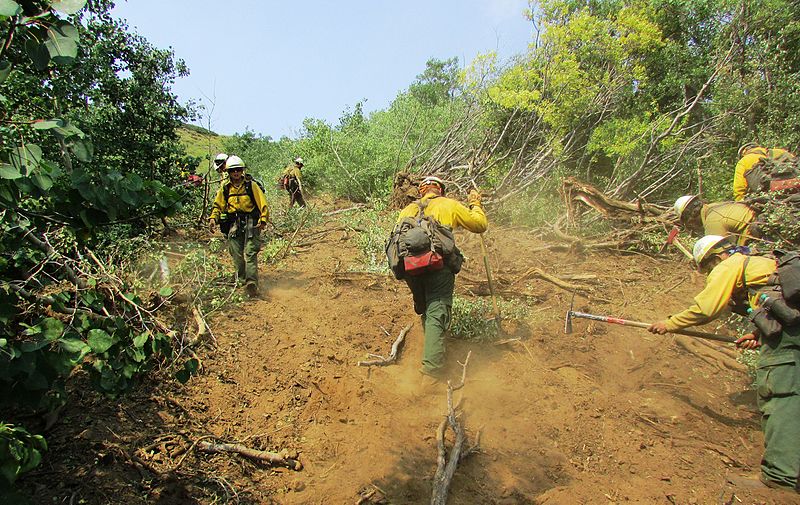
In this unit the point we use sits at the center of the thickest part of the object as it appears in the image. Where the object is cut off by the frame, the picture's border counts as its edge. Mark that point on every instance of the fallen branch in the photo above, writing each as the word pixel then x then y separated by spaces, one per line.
pixel 446 467
pixel 202 326
pixel 536 272
pixel 381 361
pixel 272 458
pixel 348 209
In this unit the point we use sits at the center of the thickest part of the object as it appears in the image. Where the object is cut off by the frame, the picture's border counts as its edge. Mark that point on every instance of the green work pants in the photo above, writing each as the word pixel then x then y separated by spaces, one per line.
pixel 244 252
pixel 778 383
pixel 433 300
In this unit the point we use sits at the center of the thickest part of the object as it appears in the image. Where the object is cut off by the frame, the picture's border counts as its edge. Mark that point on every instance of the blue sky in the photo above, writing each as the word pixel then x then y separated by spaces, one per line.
pixel 268 65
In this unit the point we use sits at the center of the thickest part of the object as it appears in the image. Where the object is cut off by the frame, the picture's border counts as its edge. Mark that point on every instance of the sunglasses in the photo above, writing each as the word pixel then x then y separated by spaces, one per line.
pixel 235 169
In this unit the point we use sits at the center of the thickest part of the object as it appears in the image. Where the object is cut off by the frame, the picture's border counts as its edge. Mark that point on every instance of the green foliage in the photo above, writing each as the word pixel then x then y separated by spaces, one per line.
pixel 358 157
pixel 202 274
pixel 87 143
pixel 533 208
pixel 473 318
pixel 20 452
pixel 778 220
pixel 372 226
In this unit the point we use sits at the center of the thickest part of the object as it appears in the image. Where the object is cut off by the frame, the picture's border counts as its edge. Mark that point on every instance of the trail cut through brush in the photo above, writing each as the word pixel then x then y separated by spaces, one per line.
pixel 605 414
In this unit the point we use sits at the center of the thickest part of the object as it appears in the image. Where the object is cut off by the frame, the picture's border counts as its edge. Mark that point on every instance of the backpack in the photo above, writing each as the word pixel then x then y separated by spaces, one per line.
pixel 779 300
pixel 225 224
pixel 248 187
pixel 774 173
pixel 421 244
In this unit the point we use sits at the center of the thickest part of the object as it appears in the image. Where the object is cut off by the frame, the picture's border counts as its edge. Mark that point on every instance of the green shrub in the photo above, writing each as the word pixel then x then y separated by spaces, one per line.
pixel 778 221
pixel 473 318
pixel 20 452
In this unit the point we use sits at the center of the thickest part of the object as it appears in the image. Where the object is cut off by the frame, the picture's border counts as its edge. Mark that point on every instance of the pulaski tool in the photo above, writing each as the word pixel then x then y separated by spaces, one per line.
pixel 638 324
pixel 495 307
pixel 672 239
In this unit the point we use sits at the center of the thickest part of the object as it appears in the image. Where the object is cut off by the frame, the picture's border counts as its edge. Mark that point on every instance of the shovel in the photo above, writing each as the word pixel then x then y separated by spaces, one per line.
pixel 638 324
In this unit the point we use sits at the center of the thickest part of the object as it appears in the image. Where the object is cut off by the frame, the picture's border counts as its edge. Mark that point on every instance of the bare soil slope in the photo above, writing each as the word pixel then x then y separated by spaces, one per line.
pixel 604 415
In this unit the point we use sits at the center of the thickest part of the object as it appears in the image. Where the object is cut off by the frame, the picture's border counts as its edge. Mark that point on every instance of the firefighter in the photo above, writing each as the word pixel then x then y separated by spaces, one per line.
pixel 240 210
pixel 292 182
pixel 729 219
pixel 734 275
pixel 750 154
pixel 433 291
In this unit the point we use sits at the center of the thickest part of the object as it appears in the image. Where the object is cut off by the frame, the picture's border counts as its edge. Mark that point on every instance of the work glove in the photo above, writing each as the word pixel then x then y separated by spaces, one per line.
pixel 212 225
pixel 474 198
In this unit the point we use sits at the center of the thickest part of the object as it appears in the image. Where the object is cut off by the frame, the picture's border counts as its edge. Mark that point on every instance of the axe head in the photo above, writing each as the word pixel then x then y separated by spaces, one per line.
pixel 670 239
pixel 568 318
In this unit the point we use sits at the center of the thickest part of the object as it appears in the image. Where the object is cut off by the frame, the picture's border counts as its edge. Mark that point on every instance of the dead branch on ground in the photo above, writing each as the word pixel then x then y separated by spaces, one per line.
pixel 273 458
pixel 380 360
pixel 446 467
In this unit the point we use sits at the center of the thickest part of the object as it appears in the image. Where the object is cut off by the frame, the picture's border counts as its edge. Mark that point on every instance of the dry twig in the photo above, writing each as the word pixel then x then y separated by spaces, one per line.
pixel 380 360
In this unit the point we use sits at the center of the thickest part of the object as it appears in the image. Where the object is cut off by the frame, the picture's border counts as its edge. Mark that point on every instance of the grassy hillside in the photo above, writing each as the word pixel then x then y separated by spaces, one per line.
pixel 201 142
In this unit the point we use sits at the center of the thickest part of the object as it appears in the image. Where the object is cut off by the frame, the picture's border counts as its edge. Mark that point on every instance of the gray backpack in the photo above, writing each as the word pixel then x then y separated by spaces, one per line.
pixel 416 235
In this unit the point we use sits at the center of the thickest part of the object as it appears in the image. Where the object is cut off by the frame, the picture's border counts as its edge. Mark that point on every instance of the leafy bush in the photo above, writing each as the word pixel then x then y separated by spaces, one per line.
pixel 473 318
pixel 19 452
pixel 778 220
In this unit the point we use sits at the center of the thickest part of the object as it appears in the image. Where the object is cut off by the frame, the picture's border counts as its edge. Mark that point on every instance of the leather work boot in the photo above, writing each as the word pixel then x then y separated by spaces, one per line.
pixel 251 289
pixel 757 482
pixel 430 381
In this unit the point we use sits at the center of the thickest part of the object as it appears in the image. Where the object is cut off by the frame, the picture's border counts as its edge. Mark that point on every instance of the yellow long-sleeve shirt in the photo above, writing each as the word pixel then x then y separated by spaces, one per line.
pixel 725 279
pixel 292 169
pixel 450 213
pixel 747 162
pixel 727 218
pixel 239 201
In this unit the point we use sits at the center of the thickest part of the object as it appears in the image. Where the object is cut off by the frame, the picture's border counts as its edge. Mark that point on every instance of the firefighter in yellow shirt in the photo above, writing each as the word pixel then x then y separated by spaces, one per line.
pixel 292 182
pixel 729 219
pixel 433 291
pixel 734 275
pixel 240 210
pixel 750 155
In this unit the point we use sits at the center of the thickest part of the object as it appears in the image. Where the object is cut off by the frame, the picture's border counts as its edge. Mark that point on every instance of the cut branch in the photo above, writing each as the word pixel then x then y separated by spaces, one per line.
pixel 273 458
pixel 446 467
pixel 381 361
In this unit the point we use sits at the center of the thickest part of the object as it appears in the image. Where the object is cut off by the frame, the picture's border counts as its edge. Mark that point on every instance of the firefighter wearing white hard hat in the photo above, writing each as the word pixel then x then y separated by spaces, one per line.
pixel 730 219
pixel 432 291
pixel 749 281
pixel 240 210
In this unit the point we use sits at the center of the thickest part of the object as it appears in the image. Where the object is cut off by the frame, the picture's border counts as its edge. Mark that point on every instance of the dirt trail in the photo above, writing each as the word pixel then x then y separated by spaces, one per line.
pixel 604 415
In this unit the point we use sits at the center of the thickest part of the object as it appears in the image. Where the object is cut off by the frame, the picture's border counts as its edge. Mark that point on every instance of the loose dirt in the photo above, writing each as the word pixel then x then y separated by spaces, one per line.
pixel 604 415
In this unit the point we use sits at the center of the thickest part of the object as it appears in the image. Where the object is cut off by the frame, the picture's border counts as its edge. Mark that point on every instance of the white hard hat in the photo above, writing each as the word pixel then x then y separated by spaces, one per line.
pixel 221 157
pixel 298 160
pixel 706 245
pixel 683 202
pixel 432 179
pixel 234 162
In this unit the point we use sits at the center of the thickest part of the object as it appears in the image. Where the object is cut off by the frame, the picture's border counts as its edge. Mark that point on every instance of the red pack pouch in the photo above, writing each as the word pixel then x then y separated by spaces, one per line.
pixel 429 261
pixel 778 185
